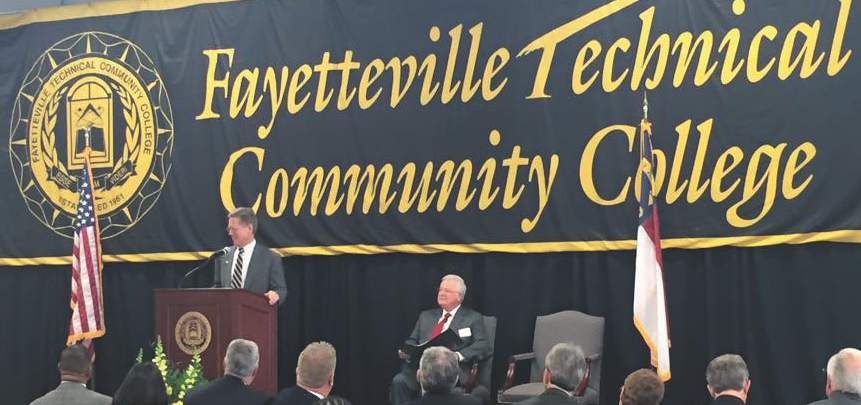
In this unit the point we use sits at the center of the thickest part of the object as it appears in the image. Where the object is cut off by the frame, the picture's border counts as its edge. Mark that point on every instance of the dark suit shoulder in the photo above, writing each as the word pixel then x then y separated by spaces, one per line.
pixel 469 312
pixel 226 390
pixel 433 312
pixel 261 248
pixel 727 400
pixel 551 396
pixel 839 398
pixel 447 399
pixel 295 395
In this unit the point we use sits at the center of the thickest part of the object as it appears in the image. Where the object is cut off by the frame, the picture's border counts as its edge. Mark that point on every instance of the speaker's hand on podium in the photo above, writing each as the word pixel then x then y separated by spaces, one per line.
pixel 273 297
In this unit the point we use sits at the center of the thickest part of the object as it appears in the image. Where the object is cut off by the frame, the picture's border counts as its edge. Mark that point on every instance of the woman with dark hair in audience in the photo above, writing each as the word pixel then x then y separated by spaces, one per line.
pixel 143 385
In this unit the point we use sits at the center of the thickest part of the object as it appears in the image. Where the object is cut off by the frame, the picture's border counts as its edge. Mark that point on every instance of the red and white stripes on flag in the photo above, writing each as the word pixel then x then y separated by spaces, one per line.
pixel 87 316
pixel 650 306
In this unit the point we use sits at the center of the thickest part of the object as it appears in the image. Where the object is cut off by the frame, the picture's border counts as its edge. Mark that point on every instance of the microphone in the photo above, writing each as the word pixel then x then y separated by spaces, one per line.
pixel 214 255
pixel 219 253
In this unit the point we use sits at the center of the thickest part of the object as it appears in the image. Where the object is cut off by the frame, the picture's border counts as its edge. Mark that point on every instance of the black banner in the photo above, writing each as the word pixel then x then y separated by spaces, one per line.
pixel 384 125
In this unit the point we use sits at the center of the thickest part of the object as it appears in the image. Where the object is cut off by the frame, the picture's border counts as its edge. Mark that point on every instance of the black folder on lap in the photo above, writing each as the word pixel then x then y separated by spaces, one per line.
pixel 447 339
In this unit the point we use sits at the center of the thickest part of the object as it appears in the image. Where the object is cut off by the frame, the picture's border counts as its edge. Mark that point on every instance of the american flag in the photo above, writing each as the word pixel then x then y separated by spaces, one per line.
pixel 650 307
pixel 87 316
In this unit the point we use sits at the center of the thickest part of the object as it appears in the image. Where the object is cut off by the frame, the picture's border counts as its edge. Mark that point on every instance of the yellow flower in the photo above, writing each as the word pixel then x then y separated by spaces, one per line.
pixel 169 390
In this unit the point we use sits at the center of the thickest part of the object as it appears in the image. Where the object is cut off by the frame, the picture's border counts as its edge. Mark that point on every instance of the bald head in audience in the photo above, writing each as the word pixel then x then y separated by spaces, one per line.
pixel 843 385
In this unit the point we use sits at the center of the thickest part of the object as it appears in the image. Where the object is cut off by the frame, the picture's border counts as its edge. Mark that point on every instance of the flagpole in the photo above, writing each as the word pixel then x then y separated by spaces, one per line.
pixel 650 310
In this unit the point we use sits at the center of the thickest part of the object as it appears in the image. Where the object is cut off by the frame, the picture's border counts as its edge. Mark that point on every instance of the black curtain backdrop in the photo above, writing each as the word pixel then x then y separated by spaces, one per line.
pixel 785 309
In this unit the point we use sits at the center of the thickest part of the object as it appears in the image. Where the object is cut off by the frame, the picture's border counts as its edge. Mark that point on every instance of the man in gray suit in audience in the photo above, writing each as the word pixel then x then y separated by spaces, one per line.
pixel 75 369
pixel 843 386
pixel 249 264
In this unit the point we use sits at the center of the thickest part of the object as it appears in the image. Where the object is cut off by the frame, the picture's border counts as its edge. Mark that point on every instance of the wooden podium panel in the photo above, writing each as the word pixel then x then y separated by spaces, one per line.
pixel 210 318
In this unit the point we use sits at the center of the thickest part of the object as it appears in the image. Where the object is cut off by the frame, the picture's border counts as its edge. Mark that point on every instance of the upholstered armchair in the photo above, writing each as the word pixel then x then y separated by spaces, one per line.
pixel 587 331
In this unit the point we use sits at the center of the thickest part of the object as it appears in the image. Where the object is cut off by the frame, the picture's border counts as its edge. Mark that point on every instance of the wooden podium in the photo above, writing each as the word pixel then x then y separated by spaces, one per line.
pixel 208 319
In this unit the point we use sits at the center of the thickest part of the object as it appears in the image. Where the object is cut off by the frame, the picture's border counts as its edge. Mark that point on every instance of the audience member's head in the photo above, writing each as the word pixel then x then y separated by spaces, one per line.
pixel 451 291
pixel 315 370
pixel 642 387
pixel 241 360
pixel 727 375
pixel 143 385
pixel 844 372
pixel 332 400
pixel 438 370
pixel 74 364
pixel 564 367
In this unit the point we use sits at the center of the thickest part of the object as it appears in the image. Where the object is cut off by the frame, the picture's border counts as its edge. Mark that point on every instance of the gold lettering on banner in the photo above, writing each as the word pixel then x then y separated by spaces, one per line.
pixel 441 77
pixel 766 167
pixel 654 53
pixel 247 89
pixel 386 188
pixel 461 69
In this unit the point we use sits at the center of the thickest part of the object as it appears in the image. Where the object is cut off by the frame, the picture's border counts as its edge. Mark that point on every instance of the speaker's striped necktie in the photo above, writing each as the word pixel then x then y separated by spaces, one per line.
pixel 237 270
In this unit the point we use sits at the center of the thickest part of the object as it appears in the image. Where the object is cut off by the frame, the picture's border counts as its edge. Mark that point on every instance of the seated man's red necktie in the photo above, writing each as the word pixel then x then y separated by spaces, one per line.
pixel 438 328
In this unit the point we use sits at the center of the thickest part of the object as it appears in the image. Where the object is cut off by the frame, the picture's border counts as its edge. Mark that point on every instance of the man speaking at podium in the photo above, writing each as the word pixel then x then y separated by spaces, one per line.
pixel 248 264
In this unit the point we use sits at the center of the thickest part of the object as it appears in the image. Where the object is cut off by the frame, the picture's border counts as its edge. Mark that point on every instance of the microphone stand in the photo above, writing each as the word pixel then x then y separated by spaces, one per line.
pixel 205 262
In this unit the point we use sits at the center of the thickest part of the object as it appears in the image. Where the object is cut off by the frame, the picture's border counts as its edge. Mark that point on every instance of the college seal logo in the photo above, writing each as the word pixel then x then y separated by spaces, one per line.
pixel 100 91
pixel 193 333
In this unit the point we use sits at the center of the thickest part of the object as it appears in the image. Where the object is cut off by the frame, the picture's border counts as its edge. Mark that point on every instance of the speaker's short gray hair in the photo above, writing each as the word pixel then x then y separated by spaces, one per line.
pixel 246 216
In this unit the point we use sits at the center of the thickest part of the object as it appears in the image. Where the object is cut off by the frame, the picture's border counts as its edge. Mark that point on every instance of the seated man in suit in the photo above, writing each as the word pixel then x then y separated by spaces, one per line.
pixel 248 264
pixel 315 376
pixel 75 369
pixel 240 368
pixel 642 387
pixel 468 324
pixel 564 367
pixel 727 379
pixel 438 375
pixel 843 386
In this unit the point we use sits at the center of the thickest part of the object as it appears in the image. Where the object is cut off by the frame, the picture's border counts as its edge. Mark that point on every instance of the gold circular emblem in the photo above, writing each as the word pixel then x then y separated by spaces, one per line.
pixel 193 332
pixel 100 91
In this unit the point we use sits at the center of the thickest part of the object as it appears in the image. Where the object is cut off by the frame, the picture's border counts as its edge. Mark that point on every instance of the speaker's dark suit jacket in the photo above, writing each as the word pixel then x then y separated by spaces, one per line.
pixel 474 347
pixel 265 272
pixel 227 390
pixel 295 395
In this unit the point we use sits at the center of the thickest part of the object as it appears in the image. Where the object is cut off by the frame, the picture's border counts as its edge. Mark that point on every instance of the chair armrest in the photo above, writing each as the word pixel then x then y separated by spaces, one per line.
pixel 512 364
pixel 584 382
pixel 472 381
